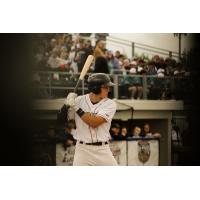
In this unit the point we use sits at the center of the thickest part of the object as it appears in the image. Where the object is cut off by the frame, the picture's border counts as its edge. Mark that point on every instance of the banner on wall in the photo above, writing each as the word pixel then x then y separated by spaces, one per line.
pixel 133 152
pixel 143 152
pixel 64 157
pixel 118 149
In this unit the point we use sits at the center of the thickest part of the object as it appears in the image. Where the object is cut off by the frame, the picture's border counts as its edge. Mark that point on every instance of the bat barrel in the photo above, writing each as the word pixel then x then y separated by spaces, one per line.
pixel 84 71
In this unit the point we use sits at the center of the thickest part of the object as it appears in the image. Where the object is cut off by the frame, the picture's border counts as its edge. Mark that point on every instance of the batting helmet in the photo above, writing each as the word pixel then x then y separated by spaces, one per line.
pixel 97 80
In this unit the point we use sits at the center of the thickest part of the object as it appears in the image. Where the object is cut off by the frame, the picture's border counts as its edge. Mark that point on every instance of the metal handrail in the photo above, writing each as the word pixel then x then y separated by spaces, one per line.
pixel 139 44
pixel 117 79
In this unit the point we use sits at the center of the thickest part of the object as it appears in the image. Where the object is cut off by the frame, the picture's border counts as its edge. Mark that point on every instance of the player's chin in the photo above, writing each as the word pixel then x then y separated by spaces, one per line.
pixel 104 96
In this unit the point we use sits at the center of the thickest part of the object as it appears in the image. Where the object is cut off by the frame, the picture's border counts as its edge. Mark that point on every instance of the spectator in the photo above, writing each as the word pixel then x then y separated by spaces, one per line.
pixel 136 88
pixel 169 67
pixel 84 51
pixel 72 59
pixel 151 68
pixel 179 71
pixel 40 57
pixel 156 59
pixel 152 71
pixel 176 136
pixel 81 54
pixel 160 72
pixel 146 132
pixel 101 65
pixel 162 82
pixel 88 48
pixel 64 65
pixel 64 53
pixel 126 64
pixel 99 49
pixel 53 43
pixel 117 54
pixel 140 66
pixel 121 61
pixel 113 63
pixel 115 131
pixel 52 62
pixel 123 133
pixel 67 41
pixel 153 81
pixel 136 131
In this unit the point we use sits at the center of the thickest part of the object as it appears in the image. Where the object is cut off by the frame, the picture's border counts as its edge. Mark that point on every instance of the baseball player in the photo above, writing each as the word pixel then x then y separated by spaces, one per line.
pixel 93 113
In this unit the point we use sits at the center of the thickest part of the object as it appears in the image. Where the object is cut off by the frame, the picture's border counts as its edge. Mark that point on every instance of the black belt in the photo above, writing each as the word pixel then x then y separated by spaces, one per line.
pixel 94 143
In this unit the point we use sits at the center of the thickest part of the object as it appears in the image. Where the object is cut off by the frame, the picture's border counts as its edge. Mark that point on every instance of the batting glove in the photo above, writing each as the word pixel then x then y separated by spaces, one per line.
pixel 70 100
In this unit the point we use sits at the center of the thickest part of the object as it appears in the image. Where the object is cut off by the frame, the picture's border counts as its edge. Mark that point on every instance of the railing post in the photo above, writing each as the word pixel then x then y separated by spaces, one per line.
pixel 126 153
pixel 172 86
pixel 144 86
pixel 170 54
pixel 50 93
pixel 116 86
pixel 133 49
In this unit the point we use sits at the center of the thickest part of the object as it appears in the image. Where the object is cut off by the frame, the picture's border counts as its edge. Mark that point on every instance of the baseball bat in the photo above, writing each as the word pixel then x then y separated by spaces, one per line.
pixel 84 71
pixel 63 113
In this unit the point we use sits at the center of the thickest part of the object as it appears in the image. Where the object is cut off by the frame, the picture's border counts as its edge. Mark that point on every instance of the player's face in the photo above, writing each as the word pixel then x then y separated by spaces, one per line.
pixel 104 91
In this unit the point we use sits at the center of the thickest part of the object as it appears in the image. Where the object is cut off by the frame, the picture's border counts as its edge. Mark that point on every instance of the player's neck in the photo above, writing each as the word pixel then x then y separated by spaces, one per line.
pixel 95 98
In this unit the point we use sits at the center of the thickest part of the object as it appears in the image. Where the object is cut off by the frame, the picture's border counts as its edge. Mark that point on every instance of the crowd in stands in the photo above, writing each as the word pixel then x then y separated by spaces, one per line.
pixel 68 52
pixel 121 132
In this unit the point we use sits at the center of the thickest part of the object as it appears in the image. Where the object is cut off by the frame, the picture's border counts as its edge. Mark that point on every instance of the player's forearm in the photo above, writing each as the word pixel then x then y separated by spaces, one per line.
pixel 91 120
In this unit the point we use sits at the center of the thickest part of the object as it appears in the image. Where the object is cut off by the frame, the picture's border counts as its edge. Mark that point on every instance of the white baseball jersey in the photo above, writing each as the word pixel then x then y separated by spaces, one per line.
pixel 105 108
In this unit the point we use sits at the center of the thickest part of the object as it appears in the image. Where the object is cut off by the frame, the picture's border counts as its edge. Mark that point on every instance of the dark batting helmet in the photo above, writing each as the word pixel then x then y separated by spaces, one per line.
pixel 97 80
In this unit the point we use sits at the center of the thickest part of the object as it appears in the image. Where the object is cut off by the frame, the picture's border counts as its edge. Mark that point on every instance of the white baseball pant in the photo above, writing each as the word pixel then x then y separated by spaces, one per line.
pixel 91 155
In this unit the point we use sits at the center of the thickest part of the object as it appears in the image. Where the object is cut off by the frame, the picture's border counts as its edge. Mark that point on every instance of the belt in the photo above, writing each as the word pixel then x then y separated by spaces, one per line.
pixel 94 143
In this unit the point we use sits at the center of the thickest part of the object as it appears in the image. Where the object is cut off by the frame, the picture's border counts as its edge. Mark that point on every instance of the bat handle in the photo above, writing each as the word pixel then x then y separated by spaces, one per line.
pixel 77 84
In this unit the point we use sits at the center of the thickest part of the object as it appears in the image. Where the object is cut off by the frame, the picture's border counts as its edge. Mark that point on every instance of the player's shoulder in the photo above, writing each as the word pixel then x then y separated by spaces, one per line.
pixel 80 98
pixel 110 102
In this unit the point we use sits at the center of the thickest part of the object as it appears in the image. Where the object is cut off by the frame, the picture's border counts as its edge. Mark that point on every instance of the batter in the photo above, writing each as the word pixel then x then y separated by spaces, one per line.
pixel 93 114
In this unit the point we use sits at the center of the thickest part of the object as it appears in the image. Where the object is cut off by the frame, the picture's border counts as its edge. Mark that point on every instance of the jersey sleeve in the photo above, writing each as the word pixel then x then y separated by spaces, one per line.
pixel 108 111
pixel 78 101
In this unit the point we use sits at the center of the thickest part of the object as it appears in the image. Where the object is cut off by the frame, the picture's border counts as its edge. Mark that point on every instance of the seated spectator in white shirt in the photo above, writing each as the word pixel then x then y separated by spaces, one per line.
pixel 53 62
